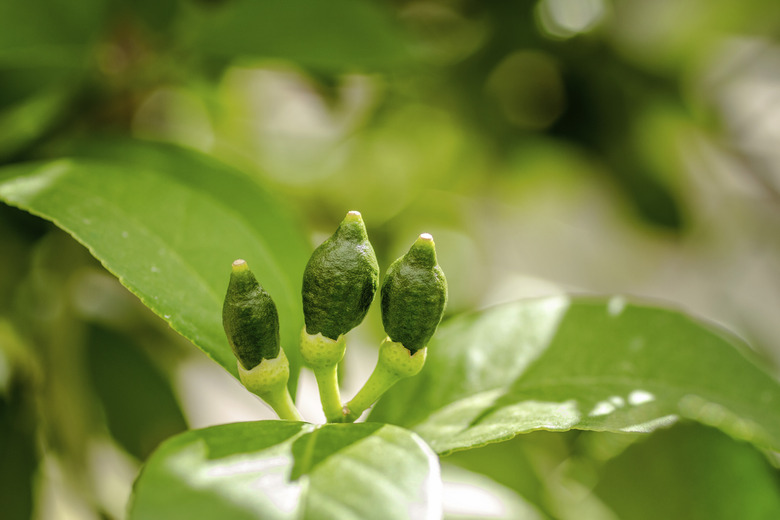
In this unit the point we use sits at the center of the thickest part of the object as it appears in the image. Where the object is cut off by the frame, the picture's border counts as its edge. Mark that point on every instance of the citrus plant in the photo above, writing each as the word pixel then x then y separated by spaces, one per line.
pixel 170 223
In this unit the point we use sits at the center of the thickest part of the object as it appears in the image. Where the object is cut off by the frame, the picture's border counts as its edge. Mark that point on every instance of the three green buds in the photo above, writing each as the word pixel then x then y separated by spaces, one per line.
pixel 339 285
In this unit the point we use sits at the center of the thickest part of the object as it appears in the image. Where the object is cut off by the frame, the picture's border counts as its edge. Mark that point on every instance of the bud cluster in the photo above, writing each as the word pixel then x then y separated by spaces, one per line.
pixel 339 285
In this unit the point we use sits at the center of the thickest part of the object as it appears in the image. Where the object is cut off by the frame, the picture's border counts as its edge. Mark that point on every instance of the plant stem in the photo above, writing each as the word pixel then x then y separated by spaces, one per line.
pixel 395 362
pixel 378 383
pixel 322 355
pixel 283 405
pixel 268 381
pixel 328 384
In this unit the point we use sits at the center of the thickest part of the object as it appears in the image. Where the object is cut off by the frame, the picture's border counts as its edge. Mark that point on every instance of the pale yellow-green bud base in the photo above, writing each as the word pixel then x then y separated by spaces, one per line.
pixel 399 360
pixel 323 355
pixel 395 362
pixel 268 381
pixel 320 352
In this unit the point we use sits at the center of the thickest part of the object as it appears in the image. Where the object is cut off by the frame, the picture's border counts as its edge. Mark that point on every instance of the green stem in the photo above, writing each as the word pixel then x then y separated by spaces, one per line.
pixel 328 384
pixel 378 383
pixel 268 381
pixel 282 404
pixel 322 355
pixel 395 362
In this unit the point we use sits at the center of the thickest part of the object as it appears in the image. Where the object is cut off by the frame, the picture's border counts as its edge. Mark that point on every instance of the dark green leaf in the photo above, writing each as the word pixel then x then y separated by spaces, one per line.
pixel 337 35
pixel 561 364
pixel 139 404
pixel 18 449
pixel 243 471
pixel 25 121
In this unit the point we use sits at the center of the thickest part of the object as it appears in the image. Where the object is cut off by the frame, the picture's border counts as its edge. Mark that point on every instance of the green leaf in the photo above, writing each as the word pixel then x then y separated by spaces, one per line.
pixel 25 121
pixel 244 471
pixel 560 364
pixel 337 35
pixel 138 402
pixel 168 223
pixel 699 472
pixel 522 465
pixel 18 449
pixel 471 496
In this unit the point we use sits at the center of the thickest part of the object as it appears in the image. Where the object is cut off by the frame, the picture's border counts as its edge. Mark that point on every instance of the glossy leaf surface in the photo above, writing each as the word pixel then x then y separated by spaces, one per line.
pixel 168 223
pixel 277 469
pixel 560 364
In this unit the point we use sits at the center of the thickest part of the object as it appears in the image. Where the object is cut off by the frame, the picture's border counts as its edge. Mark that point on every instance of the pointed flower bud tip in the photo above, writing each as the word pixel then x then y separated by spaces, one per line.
pixel 423 250
pixel 353 216
pixel 353 227
pixel 240 265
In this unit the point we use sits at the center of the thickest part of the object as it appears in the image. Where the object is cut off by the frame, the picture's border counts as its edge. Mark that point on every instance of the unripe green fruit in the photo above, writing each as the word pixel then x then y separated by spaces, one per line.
pixel 250 318
pixel 414 294
pixel 340 280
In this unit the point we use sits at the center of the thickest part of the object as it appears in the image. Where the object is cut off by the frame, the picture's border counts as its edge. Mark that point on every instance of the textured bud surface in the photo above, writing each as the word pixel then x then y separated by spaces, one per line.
pixel 414 294
pixel 340 280
pixel 250 318
pixel 267 377
pixel 399 360
pixel 318 351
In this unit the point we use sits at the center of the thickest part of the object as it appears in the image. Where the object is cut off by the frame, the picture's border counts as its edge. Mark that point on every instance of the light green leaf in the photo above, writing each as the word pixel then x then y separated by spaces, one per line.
pixel 699 472
pixel 278 469
pixel 561 364
pixel 168 223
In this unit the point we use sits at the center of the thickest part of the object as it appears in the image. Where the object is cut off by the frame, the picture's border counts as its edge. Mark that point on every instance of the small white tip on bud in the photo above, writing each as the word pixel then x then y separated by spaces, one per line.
pixel 353 216
pixel 240 265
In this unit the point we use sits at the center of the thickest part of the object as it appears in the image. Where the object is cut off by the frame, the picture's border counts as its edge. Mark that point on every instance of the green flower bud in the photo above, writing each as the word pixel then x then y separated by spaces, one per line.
pixel 414 294
pixel 250 318
pixel 340 280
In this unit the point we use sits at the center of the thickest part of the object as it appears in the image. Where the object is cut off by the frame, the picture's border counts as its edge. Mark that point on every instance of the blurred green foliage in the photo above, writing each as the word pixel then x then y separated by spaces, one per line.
pixel 602 145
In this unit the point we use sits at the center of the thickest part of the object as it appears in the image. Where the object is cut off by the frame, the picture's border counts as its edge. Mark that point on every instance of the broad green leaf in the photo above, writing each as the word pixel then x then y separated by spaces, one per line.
pixel 278 469
pixel 337 35
pixel 700 473
pixel 168 223
pixel 560 364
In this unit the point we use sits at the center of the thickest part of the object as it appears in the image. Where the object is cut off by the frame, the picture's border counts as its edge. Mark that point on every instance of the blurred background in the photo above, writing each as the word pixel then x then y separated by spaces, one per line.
pixel 581 146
